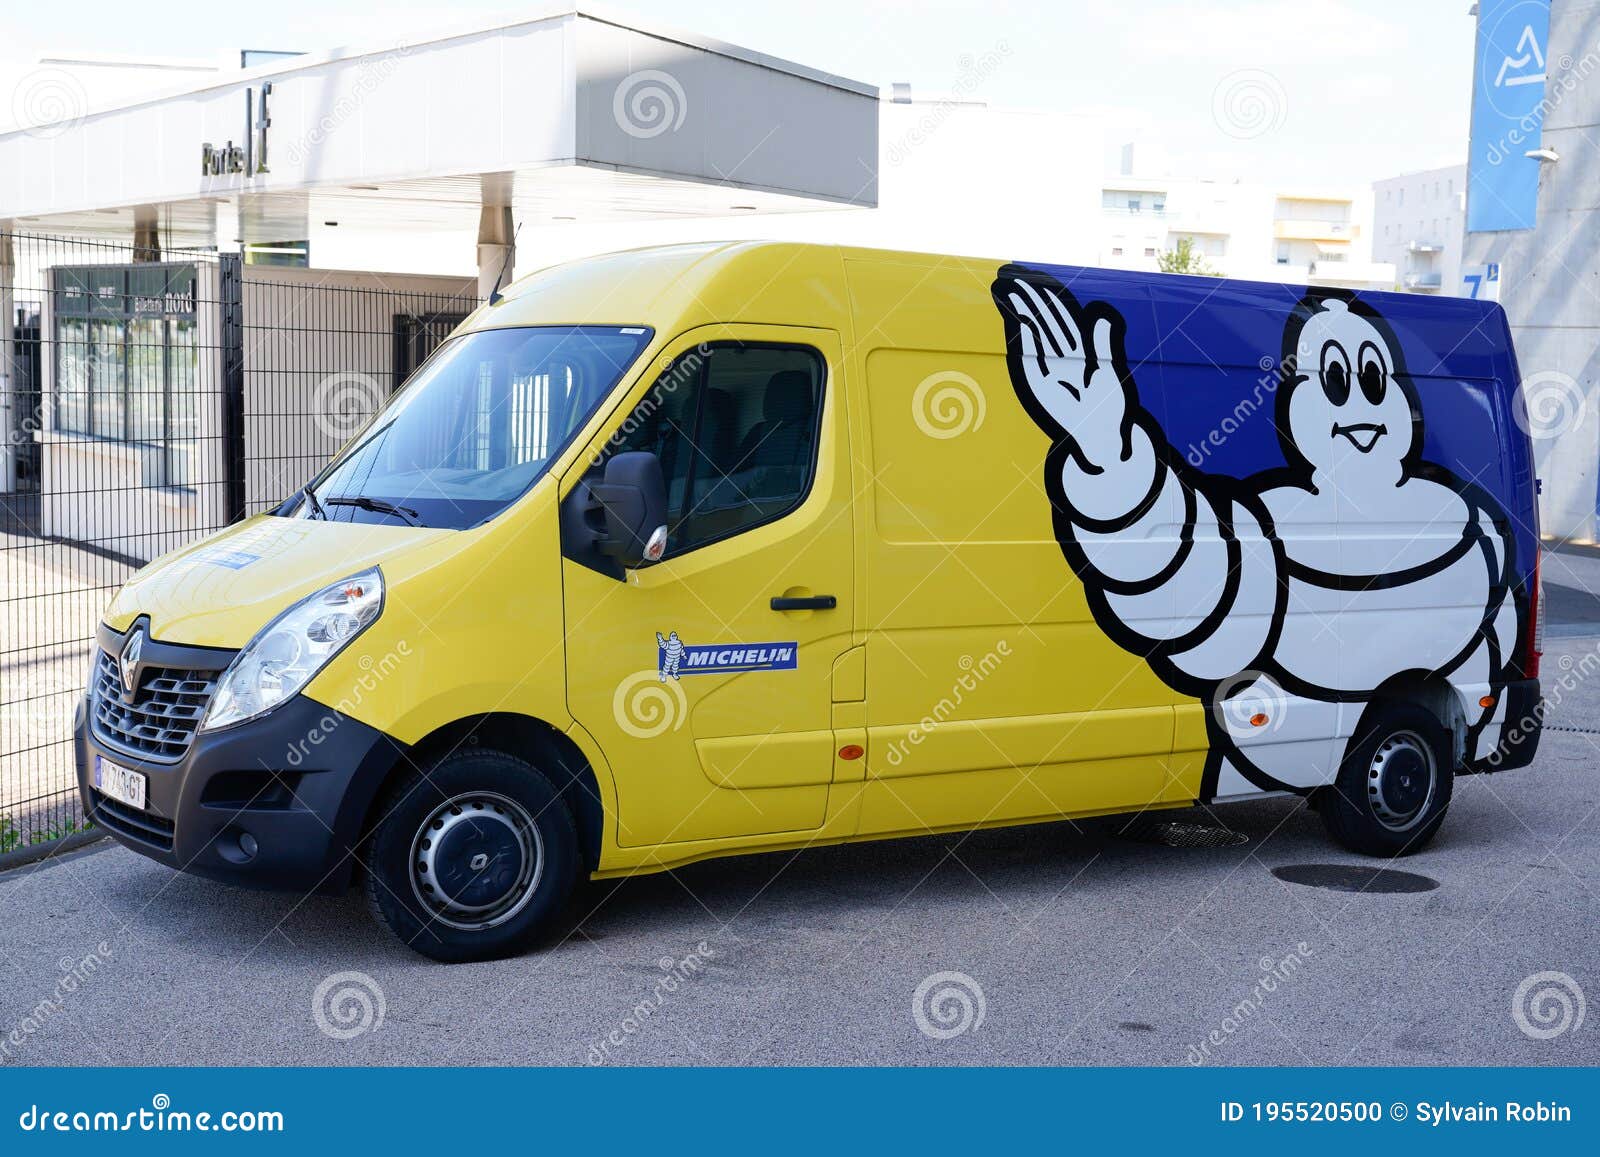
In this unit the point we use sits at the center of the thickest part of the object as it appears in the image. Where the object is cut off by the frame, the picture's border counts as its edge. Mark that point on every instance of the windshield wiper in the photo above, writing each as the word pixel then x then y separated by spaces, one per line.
pixel 310 496
pixel 378 506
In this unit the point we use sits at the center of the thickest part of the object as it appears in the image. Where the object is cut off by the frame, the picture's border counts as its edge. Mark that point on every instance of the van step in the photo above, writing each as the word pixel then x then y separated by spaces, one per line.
pixel 1180 834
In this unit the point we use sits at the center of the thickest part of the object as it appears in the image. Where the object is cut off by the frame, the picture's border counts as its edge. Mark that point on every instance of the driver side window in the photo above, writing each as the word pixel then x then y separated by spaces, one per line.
pixel 735 427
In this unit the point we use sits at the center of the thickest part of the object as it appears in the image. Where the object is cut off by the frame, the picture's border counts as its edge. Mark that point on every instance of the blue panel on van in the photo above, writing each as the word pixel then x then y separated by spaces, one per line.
pixel 1206 353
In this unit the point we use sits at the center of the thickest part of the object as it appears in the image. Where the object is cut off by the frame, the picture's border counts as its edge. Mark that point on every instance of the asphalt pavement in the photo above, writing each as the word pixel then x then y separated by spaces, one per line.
pixel 1053 944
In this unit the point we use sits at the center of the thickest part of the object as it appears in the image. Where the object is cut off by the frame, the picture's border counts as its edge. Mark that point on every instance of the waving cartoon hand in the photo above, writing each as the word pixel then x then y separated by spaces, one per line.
pixel 1082 386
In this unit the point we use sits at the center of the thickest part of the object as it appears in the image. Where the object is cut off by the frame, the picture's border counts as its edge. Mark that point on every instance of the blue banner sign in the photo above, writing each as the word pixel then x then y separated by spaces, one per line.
pixel 1508 110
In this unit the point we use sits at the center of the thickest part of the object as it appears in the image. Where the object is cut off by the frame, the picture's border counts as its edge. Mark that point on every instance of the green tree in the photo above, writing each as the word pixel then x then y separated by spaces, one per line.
pixel 1185 259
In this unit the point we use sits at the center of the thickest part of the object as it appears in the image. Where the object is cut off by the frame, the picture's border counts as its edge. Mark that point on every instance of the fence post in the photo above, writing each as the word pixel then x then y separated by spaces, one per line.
pixel 231 282
pixel 12 409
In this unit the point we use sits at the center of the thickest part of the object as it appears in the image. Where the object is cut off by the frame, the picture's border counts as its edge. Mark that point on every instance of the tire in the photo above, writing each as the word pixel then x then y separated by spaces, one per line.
pixel 1394 786
pixel 473 857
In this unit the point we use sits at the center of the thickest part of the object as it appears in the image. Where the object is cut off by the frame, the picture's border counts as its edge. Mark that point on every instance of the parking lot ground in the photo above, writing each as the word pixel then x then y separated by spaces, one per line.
pixel 1073 946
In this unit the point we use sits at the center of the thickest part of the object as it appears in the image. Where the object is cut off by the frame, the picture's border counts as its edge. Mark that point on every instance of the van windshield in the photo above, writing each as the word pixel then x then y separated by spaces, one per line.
pixel 474 427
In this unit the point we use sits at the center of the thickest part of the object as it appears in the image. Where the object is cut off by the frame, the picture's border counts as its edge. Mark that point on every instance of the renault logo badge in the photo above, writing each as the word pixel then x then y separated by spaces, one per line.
pixel 128 663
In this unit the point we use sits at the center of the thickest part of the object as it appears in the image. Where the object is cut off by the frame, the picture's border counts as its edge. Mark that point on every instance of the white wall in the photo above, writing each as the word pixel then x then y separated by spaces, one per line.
pixel 1547 286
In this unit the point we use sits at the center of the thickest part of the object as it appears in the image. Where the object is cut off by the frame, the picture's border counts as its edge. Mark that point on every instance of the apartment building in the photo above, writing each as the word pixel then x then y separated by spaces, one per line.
pixel 1418 219
pixel 1261 232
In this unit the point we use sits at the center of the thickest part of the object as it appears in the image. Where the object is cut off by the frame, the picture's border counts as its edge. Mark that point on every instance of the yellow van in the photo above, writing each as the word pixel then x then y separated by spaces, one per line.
pixel 699 550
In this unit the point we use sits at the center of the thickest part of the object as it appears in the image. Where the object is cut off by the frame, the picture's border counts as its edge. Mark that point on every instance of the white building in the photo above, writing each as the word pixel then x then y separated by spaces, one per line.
pixel 1418 219
pixel 395 161
pixel 1310 235
pixel 954 176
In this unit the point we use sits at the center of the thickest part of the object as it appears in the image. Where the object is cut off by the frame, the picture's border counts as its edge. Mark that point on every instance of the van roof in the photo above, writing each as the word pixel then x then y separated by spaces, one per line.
pixel 798 282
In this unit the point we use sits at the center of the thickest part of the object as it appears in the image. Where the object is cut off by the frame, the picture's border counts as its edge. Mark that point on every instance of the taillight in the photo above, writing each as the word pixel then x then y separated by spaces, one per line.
pixel 1530 669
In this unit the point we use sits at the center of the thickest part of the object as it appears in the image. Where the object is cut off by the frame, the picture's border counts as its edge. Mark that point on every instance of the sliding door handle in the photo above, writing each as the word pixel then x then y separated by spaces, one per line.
pixel 809 603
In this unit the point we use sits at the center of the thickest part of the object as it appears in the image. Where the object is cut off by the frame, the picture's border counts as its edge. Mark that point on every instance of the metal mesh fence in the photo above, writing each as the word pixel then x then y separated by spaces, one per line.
pixel 148 399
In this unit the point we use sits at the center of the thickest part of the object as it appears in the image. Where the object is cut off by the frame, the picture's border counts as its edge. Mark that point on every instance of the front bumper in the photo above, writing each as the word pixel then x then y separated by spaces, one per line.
pixel 276 802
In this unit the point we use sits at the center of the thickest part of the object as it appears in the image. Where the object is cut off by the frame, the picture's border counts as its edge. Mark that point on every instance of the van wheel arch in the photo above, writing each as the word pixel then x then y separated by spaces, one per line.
pixel 549 750
pixel 1431 692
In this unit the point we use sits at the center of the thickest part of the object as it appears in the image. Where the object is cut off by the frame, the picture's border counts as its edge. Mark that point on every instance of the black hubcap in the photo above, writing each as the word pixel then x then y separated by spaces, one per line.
pixel 1401 780
pixel 478 861
pixel 1405 781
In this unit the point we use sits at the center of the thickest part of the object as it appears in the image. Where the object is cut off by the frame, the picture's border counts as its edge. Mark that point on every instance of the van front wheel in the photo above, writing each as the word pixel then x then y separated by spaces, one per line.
pixel 1394 785
pixel 472 858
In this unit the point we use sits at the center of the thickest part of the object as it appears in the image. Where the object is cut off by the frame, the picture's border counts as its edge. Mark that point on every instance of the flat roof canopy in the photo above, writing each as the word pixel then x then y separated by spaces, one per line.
pixel 566 115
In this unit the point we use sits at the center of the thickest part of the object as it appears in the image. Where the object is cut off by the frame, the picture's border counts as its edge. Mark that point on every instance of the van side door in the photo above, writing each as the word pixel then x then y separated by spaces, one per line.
pixel 706 678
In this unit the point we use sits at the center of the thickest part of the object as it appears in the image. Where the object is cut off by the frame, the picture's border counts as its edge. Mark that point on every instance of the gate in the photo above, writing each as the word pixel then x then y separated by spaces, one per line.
pixel 147 400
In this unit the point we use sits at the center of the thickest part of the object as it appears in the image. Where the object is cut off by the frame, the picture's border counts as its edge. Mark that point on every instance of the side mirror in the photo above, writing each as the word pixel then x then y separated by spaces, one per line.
pixel 620 520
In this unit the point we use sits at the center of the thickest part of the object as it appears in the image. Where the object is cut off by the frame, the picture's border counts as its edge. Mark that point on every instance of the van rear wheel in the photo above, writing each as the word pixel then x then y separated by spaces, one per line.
pixel 472 858
pixel 1394 785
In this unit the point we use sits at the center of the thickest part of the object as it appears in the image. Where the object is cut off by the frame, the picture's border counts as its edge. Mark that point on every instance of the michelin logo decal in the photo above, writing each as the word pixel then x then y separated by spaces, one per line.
pixel 675 658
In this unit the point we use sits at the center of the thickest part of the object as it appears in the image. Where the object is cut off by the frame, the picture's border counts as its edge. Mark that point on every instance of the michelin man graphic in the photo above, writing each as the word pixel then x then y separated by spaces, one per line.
pixel 1243 592
pixel 671 648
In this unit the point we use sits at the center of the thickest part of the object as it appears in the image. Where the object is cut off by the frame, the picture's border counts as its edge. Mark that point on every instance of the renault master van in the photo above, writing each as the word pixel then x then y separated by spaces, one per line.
pixel 701 550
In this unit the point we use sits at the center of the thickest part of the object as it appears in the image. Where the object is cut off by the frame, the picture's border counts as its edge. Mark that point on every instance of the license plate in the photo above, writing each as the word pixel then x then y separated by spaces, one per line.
pixel 120 783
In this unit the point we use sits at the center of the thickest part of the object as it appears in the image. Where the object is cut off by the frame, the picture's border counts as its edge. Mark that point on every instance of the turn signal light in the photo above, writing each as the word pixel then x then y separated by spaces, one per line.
pixel 1258 720
pixel 1486 701
pixel 852 751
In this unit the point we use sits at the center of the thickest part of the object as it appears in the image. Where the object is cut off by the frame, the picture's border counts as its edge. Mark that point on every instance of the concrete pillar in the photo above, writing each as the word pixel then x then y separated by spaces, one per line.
pixel 497 249
pixel 146 234
pixel 11 406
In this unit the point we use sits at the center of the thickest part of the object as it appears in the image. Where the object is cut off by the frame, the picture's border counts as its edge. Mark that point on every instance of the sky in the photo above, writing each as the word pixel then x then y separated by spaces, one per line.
pixel 1286 91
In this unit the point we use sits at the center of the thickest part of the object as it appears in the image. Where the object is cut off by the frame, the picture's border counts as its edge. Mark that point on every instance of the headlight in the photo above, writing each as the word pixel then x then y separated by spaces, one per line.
pixel 292 648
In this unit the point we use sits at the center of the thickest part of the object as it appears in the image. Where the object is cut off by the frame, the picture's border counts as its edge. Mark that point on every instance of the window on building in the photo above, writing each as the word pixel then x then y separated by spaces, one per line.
pixel 283 254
pixel 1400 198
pixel 127 360
pixel 735 426
pixel 1116 251
pixel 1149 250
